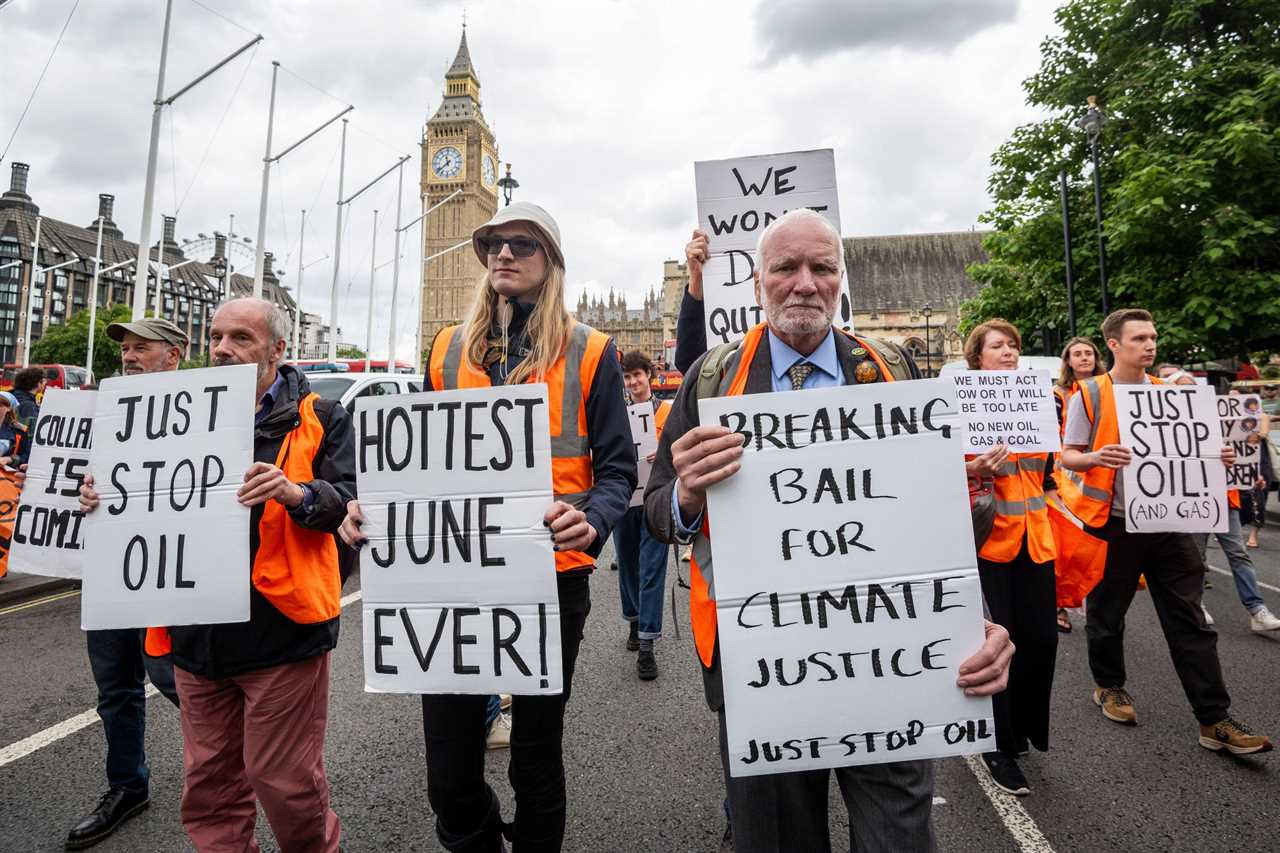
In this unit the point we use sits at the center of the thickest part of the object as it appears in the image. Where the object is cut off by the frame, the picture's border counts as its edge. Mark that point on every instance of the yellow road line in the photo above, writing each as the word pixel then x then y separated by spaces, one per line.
pixel 47 599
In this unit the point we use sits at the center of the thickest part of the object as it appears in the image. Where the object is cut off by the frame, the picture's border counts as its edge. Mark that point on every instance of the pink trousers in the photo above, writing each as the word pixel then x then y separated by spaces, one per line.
pixel 257 737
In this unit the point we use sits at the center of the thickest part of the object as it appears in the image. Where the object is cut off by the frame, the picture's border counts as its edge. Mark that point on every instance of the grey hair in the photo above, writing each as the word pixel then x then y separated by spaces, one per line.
pixel 277 320
pixel 799 215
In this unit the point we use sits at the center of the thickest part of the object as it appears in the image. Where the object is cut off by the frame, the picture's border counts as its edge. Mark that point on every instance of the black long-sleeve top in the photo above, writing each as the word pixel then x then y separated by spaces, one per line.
pixel 691 332
pixel 613 458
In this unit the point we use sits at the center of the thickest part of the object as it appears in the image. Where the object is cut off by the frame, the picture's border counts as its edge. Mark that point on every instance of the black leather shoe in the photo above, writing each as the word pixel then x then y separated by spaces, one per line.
pixel 114 808
pixel 646 666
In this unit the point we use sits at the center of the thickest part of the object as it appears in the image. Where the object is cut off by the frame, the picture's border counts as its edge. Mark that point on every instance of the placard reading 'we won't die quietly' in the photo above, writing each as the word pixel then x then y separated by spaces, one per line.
pixel 458 575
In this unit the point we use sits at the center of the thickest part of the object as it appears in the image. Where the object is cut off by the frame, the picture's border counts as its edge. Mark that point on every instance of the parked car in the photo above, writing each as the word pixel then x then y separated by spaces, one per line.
pixel 59 375
pixel 346 388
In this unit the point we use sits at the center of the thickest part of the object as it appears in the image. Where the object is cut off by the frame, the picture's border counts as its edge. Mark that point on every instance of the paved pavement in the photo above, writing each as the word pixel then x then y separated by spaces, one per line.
pixel 643 771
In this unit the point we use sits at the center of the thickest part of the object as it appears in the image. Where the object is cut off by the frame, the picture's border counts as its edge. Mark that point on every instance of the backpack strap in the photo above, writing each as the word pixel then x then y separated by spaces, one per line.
pixel 890 355
pixel 712 372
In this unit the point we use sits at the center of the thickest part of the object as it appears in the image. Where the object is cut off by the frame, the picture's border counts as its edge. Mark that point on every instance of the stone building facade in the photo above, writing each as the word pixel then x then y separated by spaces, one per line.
pixel 631 328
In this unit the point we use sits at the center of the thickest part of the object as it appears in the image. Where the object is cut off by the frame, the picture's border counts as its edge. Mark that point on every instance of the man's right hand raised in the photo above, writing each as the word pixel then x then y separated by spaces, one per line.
pixel 702 457
pixel 696 252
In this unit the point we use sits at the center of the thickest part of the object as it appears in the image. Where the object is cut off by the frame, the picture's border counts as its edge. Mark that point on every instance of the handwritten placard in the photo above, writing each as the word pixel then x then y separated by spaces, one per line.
pixel 47 531
pixel 644 435
pixel 1176 481
pixel 459 575
pixel 737 199
pixel 1010 407
pixel 1239 414
pixel 841 627
pixel 169 544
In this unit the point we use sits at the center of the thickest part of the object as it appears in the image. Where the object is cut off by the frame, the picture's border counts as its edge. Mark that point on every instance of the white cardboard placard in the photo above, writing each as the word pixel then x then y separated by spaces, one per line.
pixel 459 574
pixel 1010 407
pixel 48 530
pixel 737 199
pixel 841 628
pixel 1176 481
pixel 644 434
pixel 169 543
pixel 1240 415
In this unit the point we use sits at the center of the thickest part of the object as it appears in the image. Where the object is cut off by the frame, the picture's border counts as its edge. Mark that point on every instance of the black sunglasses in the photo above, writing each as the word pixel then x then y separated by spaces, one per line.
pixel 521 247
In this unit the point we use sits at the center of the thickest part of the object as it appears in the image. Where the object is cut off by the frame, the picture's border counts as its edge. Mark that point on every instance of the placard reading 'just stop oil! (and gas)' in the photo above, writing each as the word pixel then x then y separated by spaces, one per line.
pixel 841 627
pixel 458 576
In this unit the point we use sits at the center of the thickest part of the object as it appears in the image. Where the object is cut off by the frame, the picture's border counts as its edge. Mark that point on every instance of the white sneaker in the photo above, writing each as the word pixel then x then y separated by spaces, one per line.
pixel 1264 620
pixel 499 733
pixel 1208 617
pixel 687 555
pixel 504 701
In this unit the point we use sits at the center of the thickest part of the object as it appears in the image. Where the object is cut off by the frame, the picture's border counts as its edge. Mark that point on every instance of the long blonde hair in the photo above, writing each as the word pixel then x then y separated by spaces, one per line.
pixel 1067 378
pixel 548 329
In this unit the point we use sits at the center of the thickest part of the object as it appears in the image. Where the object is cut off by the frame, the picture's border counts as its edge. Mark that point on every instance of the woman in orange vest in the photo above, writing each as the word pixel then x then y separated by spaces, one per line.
pixel 1015 564
pixel 519 331
pixel 1080 360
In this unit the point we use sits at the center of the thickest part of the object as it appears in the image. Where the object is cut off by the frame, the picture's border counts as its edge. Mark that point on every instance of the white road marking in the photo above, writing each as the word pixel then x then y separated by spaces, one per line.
pixel 1260 583
pixel 939 801
pixel 53 734
pixel 1009 808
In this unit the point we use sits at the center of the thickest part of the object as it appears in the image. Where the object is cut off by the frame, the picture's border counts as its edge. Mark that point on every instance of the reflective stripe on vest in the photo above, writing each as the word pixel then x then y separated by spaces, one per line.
pixel 568 386
pixel 702 590
pixel 1021 511
pixel 295 569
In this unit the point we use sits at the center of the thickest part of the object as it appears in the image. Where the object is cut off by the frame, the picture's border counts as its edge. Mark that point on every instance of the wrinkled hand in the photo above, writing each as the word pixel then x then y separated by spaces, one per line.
pixel 88 497
pixel 1112 456
pixel 1228 454
pixel 350 530
pixel 264 482
pixel 696 252
pixel 987 672
pixel 20 476
pixel 702 457
pixel 987 464
pixel 651 457
pixel 570 530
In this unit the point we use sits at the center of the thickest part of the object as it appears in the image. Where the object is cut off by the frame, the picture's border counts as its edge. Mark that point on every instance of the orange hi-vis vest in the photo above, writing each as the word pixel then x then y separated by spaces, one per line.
pixel 1088 494
pixel 702 600
pixel 1021 510
pixel 660 416
pixel 295 568
pixel 568 385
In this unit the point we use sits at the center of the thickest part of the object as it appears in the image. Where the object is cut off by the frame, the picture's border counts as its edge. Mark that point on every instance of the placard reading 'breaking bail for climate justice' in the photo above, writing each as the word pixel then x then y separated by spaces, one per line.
pixel 737 199
pixel 1240 419
pixel 644 435
pixel 1014 408
pixel 841 627
pixel 48 535
pixel 1176 480
pixel 459 574
pixel 169 542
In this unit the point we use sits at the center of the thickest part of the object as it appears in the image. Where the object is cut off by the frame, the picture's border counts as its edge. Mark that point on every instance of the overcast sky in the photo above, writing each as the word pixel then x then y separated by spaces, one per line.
pixel 602 107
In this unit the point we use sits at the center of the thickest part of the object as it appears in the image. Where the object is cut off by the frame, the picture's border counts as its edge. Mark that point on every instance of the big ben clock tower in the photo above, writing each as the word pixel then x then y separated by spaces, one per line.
pixel 458 153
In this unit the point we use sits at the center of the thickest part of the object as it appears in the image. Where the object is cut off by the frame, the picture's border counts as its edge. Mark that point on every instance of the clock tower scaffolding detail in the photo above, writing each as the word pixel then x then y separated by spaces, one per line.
pixel 458 153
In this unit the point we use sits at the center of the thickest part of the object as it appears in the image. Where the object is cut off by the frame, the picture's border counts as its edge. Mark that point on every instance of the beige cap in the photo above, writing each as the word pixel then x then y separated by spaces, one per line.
pixel 149 329
pixel 523 211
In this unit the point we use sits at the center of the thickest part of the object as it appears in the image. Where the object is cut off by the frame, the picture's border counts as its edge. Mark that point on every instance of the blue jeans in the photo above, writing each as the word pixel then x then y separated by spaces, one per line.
pixel 1232 544
pixel 119 667
pixel 492 710
pixel 642 572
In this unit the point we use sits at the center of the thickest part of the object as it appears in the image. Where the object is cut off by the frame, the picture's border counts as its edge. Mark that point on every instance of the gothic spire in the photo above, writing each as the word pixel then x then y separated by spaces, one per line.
pixel 462 62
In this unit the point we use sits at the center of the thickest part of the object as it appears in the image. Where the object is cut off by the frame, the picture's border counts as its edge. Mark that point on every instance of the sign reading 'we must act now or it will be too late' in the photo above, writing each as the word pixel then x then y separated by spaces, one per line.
pixel 841 629
pixel 458 575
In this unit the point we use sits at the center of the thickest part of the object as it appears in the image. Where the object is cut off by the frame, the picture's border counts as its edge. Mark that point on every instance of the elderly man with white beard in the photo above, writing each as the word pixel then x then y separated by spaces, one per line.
pixel 800 261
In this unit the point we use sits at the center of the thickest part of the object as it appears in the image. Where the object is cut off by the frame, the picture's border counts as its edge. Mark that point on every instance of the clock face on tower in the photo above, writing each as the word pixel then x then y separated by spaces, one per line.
pixel 490 172
pixel 447 163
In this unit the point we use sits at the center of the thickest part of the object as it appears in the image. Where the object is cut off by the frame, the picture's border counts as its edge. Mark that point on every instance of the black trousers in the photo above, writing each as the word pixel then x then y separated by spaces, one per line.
pixel 1175 579
pixel 466 808
pixel 1022 596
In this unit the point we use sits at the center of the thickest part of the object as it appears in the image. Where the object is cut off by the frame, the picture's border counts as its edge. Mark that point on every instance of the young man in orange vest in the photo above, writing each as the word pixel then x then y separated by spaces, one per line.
pixel 642 560
pixel 1093 489
pixel 798 273
pixel 255 695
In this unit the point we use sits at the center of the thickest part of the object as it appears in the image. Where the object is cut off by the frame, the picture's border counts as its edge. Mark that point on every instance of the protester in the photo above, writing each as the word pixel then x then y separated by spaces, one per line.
pixel 642 559
pixel 1093 456
pixel 28 385
pixel 1267 480
pixel 798 274
pixel 1072 571
pixel 255 695
pixel 150 345
pixel 519 331
pixel 15 444
pixel 1016 566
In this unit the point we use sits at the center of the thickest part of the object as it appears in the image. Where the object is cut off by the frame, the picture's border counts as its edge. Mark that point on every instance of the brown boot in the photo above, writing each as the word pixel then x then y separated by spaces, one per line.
pixel 1116 705
pixel 1233 737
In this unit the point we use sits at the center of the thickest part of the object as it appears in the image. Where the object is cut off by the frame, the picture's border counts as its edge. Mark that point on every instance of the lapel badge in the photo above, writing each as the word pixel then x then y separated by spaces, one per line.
pixel 866 371
pixel 858 352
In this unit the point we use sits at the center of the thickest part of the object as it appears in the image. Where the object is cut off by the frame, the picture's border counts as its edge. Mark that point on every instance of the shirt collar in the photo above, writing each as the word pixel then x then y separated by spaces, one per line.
pixel 273 393
pixel 824 357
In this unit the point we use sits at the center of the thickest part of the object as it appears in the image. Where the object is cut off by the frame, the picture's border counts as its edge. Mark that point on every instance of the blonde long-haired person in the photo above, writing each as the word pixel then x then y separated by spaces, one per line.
pixel 1015 565
pixel 519 331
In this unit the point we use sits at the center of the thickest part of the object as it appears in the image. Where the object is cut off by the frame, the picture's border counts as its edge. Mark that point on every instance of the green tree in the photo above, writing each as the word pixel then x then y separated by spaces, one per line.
pixel 66 343
pixel 350 352
pixel 1190 169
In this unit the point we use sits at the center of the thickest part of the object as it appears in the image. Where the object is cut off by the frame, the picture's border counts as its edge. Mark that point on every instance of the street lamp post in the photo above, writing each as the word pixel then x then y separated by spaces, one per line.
pixel 33 281
pixel 509 185
pixel 400 229
pixel 1091 123
pixel 927 311
pixel 1066 248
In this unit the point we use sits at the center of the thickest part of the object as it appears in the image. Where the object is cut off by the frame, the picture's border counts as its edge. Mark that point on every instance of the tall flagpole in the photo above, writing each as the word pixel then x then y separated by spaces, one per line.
pixel 297 310
pixel 395 279
pixel 337 252
pixel 373 273
pixel 149 188
pixel 258 273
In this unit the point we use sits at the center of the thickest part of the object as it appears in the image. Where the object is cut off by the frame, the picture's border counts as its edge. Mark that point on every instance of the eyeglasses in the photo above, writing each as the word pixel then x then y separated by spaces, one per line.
pixel 521 247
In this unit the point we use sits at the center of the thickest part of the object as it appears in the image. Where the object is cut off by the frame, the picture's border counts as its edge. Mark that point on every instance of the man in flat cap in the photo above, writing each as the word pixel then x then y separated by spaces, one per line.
pixel 149 345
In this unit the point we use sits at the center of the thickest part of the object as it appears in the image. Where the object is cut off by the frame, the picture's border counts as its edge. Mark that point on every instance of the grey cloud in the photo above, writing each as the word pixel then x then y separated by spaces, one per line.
pixel 808 29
